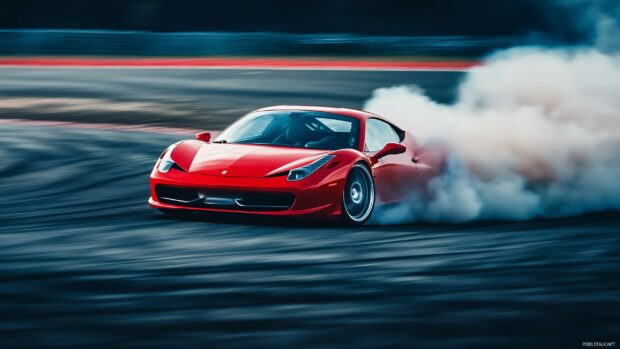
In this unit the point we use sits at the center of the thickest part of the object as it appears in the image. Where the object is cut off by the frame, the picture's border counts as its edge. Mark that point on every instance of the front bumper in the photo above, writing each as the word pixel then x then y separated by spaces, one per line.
pixel 318 196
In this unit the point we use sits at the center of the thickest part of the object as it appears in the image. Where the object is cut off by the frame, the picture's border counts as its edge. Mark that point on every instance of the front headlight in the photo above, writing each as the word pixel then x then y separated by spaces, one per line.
pixel 166 162
pixel 300 173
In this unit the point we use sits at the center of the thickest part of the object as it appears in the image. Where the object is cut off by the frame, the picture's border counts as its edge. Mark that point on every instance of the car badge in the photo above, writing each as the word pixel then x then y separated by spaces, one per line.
pixel 224 172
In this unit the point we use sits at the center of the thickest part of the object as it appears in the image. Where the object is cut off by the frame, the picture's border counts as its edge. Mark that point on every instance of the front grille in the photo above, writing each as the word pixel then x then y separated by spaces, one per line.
pixel 177 194
pixel 218 198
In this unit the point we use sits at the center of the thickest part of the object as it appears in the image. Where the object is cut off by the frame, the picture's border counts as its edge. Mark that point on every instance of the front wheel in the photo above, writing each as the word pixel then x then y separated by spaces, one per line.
pixel 358 197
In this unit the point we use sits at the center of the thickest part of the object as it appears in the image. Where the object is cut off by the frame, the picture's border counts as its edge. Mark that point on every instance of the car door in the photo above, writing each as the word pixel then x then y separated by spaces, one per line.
pixel 393 173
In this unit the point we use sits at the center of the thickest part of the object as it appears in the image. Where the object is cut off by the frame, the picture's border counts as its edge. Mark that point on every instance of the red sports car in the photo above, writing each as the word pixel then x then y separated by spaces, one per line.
pixel 293 161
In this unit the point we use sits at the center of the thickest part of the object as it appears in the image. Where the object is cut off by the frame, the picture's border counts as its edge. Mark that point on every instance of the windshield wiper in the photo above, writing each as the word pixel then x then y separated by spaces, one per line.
pixel 220 141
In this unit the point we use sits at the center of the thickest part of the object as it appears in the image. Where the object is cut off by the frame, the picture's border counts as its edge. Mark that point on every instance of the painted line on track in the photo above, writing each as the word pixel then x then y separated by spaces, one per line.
pixel 233 63
pixel 104 126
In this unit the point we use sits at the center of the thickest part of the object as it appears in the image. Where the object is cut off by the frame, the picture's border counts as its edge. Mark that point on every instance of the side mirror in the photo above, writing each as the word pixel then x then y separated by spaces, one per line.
pixel 204 136
pixel 389 149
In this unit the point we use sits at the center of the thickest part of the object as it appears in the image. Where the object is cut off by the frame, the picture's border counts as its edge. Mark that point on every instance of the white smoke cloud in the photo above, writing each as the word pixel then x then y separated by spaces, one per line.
pixel 533 133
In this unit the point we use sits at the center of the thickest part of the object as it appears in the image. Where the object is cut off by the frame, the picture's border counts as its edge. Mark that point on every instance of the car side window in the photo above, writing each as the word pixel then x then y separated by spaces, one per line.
pixel 378 134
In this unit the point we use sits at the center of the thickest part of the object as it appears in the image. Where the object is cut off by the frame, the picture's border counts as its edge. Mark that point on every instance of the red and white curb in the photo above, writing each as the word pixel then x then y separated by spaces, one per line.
pixel 234 63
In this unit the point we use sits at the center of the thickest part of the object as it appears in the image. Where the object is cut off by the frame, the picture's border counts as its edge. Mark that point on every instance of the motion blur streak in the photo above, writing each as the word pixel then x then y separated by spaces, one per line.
pixel 533 132
pixel 105 126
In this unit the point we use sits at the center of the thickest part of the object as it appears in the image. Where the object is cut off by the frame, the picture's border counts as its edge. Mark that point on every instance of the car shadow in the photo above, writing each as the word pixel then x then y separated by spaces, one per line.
pixel 246 219
pixel 484 225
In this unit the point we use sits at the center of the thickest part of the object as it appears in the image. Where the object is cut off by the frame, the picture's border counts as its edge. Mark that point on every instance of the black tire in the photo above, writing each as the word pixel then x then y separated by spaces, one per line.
pixel 358 196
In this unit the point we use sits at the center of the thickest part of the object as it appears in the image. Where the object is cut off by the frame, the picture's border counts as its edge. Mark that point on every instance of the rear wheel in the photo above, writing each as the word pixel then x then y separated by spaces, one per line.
pixel 358 197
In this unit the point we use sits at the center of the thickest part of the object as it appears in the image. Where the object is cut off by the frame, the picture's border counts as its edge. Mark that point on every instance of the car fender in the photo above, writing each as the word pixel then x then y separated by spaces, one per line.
pixel 351 157
pixel 184 152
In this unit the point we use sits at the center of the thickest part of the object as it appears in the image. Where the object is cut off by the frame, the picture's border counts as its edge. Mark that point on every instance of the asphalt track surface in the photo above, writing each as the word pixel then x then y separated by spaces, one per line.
pixel 195 98
pixel 85 263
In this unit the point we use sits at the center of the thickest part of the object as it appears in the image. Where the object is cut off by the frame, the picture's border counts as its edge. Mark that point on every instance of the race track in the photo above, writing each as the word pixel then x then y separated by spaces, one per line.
pixel 85 263
pixel 194 98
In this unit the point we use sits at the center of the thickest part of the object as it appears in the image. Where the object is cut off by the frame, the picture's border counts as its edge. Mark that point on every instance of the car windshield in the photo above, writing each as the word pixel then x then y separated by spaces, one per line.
pixel 294 128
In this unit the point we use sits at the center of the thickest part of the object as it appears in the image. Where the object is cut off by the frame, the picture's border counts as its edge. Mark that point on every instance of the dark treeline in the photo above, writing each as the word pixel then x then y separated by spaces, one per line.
pixel 374 17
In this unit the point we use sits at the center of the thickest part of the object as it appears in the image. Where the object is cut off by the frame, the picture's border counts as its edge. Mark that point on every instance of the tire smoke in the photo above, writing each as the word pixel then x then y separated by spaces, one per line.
pixel 533 133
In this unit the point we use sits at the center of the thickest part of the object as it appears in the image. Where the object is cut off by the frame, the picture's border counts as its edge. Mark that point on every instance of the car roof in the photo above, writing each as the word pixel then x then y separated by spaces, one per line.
pixel 359 114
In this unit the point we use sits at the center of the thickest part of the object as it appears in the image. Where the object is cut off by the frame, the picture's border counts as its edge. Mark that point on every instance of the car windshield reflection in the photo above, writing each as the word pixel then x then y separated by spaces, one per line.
pixel 294 128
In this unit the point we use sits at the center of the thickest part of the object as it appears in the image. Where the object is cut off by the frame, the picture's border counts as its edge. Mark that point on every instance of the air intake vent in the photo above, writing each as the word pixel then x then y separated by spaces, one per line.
pixel 224 199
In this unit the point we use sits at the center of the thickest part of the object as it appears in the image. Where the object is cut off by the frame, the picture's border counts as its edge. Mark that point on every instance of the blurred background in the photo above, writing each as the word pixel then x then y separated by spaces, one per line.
pixel 368 36
pixel 91 93
pixel 279 27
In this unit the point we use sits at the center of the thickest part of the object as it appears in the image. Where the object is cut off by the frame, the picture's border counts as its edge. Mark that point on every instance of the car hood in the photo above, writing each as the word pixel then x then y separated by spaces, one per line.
pixel 240 160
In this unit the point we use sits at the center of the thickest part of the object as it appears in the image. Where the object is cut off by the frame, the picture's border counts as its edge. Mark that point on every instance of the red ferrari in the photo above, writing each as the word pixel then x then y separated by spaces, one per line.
pixel 328 163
